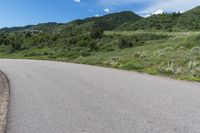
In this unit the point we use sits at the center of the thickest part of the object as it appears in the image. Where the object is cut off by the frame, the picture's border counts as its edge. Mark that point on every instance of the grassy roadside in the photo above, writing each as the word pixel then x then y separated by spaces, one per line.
pixel 177 57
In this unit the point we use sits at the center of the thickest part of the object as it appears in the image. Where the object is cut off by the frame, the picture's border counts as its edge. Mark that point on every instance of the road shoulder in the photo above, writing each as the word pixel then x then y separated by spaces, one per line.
pixel 4 99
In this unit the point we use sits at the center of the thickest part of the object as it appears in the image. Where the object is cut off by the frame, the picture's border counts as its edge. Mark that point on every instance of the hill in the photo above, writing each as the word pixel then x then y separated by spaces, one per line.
pixel 154 22
pixel 110 22
pixel 43 27
pixel 189 20
pixel 122 21
pixel 14 29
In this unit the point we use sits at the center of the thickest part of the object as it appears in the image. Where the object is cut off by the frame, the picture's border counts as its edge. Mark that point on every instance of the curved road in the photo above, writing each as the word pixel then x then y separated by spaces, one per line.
pixel 53 97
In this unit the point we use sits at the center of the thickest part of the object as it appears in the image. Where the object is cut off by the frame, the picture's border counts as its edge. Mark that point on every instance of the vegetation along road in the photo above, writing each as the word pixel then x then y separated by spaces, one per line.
pixel 55 97
pixel 165 44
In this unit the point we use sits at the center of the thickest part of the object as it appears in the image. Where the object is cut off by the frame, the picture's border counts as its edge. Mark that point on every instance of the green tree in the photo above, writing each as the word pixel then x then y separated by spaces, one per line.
pixel 125 43
pixel 93 46
pixel 97 30
pixel 15 41
pixel 9 49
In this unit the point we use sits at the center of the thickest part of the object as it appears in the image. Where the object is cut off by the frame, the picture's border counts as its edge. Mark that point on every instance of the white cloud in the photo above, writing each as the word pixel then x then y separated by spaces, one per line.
pixel 158 12
pixel 145 15
pixel 149 6
pixel 97 15
pixel 107 10
pixel 77 1
pixel 172 5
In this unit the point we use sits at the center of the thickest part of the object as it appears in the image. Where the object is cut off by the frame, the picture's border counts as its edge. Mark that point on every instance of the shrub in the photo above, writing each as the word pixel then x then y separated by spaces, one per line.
pixel 85 53
pixel 10 49
pixel 192 64
pixel 170 69
pixel 195 50
pixel 112 61
pixel 93 46
pixel 195 72
pixel 82 43
pixel 124 43
pixel 96 33
pixel 140 55
pixel 159 53
pixel 106 47
pixel 97 30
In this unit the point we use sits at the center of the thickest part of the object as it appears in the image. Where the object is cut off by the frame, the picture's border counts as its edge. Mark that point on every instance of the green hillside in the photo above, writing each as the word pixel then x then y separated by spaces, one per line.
pixel 155 22
pixel 43 27
pixel 15 29
pixel 110 21
pixel 123 21
pixel 189 20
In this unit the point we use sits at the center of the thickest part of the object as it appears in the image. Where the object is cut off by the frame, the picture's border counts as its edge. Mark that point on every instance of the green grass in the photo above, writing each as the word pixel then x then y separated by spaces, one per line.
pixel 177 56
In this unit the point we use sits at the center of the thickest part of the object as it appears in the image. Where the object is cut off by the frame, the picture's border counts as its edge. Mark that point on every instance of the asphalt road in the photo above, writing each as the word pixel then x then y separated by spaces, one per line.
pixel 53 97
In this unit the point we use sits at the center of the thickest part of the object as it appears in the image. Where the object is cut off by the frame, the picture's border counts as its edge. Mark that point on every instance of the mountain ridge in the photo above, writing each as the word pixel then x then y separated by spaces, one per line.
pixel 125 21
pixel 111 21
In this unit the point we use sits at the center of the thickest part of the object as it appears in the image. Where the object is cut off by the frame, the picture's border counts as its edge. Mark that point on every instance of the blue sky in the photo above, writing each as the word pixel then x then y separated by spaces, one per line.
pixel 24 12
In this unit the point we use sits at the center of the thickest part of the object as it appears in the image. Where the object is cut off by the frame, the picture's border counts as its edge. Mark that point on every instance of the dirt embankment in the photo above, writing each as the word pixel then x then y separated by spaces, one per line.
pixel 4 98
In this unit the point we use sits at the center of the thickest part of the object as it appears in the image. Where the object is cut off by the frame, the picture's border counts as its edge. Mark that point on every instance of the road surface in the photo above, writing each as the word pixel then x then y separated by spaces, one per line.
pixel 53 97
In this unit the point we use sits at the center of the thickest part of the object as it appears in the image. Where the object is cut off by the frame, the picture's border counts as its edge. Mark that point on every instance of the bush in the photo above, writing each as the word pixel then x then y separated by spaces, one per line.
pixel 16 43
pixel 125 43
pixel 195 50
pixel 93 46
pixel 10 49
pixel 96 31
pixel 85 53
pixel 82 43
pixel 140 55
